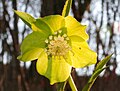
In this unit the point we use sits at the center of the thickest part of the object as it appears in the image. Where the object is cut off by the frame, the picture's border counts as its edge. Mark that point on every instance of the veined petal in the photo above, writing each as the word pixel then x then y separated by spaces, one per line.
pixel 75 38
pixel 55 69
pixel 41 26
pixel 31 55
pixel 34 40
pixel 56 22
pixel 26 18
pixel 68 59
pixel 75 28
pixel 82 55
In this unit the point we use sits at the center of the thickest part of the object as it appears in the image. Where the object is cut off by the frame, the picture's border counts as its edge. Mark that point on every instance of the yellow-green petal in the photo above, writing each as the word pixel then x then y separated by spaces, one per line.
pixel 55 22
pixel 75 28
pixel 34 40
pixel 55 69
pixel 41 26
pixel 75 38
pixel 31 55
pixel 25 17
pixel 81 55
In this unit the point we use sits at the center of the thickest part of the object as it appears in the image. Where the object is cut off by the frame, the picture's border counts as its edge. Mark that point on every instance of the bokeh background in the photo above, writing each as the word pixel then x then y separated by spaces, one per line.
pixel 103 20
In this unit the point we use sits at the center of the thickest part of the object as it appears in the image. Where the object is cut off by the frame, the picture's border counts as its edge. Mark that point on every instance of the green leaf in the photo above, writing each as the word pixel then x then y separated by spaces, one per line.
pixel 92 79
pixel 96 74
pixel 66 8
pixel 26 18
pixel 99 68
pixel 103 62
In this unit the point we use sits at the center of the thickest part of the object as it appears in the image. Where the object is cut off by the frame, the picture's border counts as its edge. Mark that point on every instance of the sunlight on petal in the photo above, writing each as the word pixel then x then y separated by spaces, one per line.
pixel 75 28
pixel 55 69
pixel 82 55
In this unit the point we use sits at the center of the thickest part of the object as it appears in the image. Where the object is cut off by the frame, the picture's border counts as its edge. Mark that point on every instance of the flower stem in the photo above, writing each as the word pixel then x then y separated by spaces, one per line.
pixel 61 86
pixel 72 84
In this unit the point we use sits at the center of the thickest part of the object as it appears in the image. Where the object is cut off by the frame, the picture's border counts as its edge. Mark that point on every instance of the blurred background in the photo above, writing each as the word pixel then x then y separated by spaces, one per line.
pixel 103 20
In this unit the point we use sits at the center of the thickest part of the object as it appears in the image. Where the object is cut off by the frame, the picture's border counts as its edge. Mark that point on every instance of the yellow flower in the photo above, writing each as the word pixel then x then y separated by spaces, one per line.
pixel 58 43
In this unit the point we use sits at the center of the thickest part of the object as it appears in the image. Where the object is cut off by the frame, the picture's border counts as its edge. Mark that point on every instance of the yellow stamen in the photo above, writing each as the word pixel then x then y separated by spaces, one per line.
pixel 58 45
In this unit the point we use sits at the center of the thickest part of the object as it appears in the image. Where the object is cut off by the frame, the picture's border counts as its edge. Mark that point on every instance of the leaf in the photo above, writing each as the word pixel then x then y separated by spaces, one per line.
pixel 66 8
pixel 103 62
pixel 92 79
pixel 26 18
pixel 96 74
pixel 99 68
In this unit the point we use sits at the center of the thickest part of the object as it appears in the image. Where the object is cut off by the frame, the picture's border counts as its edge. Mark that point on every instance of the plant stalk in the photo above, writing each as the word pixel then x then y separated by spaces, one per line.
pixel 72 84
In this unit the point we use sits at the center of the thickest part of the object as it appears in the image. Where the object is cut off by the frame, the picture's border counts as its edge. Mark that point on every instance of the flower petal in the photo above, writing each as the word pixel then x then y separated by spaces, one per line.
pixel 31 55
pixel 75 38
pixel 55 69
pixel 82 55
pixel 25 17
pixel 75 28
pixel 56 22
pixel 34 40
pixel 41 26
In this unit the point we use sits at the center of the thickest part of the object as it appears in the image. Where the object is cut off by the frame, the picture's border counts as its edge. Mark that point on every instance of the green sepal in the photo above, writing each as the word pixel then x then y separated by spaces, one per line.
pixel 30 55
pixel 75 28
pixel 81 55
pixel 55 69
pixel 25 17
pixel 41 26
pixel 34 40
pixel 55 22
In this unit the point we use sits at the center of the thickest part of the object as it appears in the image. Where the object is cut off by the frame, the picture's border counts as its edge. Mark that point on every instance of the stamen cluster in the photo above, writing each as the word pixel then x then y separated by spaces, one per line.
pixel 57 44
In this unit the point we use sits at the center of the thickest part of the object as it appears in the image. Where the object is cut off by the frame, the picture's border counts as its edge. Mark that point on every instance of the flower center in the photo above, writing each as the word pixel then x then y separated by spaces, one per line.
pixel 57 44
